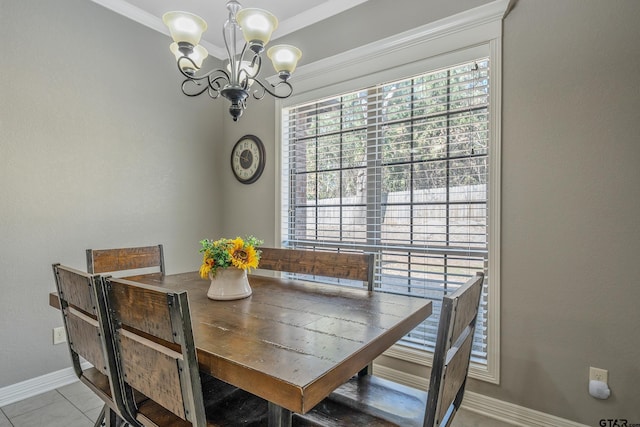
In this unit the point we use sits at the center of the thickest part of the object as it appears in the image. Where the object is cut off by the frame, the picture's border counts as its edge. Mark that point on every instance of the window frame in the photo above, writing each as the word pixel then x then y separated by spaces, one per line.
pixel 476 32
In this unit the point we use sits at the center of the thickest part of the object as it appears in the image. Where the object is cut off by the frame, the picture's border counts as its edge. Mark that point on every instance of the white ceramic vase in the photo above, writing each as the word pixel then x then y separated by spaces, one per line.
pixel 229 284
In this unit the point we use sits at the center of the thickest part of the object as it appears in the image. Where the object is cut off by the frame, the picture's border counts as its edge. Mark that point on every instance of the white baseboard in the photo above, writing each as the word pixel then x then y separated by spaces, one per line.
pixel 483 405
pixel 34 386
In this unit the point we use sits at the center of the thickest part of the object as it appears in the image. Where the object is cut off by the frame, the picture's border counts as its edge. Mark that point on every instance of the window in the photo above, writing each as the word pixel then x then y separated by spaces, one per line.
pixel 402 159
pixel 400 170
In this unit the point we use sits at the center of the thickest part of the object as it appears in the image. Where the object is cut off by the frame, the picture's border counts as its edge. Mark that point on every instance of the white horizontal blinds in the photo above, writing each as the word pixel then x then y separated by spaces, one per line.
pixel 399 169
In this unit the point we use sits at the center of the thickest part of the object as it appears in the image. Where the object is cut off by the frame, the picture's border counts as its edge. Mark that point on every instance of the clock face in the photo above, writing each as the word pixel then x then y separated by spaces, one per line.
pixel 248 159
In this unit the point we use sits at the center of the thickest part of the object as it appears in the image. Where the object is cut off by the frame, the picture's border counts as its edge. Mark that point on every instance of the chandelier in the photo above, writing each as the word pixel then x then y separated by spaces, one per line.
pixel 233 83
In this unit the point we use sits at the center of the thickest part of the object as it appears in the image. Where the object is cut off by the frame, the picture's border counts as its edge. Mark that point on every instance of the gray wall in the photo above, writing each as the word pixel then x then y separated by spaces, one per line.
pixel 570 234
pixel 570 230
pixel 570 198
pixel 250 209
pixel 98 148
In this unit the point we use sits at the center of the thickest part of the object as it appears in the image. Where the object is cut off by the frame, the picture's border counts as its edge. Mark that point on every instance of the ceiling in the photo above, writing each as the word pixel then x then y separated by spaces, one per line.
pixel 292 15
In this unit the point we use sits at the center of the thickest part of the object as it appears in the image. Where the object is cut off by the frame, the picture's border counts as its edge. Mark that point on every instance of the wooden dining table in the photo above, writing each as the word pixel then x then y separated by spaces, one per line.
pixel 291 342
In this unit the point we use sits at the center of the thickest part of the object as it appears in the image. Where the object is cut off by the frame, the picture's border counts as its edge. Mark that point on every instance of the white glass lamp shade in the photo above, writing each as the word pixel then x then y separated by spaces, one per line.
pixel 197 56
pixel 284 57
pixel 246 66
pixel 185 27
pixel 257 25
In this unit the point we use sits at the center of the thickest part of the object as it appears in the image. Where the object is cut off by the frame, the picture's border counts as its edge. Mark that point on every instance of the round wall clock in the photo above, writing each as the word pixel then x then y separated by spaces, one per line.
pixel 248 159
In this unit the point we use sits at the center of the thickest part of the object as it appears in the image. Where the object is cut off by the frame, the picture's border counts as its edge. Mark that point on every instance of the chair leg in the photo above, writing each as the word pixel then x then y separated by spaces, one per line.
pixel 367 370
pixel 101 418
pixel 111 419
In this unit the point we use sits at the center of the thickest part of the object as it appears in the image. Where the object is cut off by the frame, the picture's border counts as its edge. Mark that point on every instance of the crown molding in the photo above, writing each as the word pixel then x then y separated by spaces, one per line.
pixel 430 39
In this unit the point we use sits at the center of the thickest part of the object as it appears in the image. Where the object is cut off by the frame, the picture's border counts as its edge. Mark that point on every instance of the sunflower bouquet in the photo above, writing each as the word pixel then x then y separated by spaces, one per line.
pixel 222 253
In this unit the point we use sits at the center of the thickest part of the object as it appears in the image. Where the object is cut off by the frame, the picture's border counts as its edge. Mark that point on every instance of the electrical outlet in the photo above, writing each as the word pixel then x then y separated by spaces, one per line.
pixel 59 335
pixel 597 374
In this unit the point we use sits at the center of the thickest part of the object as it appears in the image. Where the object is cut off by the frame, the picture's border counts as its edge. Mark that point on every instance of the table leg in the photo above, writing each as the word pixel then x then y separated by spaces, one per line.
pixel 279 416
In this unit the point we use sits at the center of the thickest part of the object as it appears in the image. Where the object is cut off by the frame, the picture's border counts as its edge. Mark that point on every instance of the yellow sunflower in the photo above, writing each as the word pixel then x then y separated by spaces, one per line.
pixel 237 244
pixel 207 265
pixel 244 258
pixel 204 270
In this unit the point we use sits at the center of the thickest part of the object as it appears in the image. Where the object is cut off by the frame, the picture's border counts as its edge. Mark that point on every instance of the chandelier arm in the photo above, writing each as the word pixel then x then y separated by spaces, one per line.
pixel 238 70
pixel 193 83
pixel 257 59
pixel 190 65
pixel 215 87
pixel 203 84
pixel 213 94
pixel 207 75
pixel 266 88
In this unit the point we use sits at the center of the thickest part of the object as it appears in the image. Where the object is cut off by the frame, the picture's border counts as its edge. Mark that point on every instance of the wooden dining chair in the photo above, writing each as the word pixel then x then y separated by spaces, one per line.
pixel 122 259
pixel 156 355
pixel 339 265
pixel 373 401
pixel 87 337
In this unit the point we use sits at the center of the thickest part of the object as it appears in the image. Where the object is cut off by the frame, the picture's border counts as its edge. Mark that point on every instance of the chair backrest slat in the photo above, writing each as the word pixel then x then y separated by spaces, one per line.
pixel 144 308
pixel 342 265
pixel 452 353
pixel 454 374
pixel 76 288
pixel 465 311
pixel 151 369
pixel 155 351
pixel 84 338
pixel 121 259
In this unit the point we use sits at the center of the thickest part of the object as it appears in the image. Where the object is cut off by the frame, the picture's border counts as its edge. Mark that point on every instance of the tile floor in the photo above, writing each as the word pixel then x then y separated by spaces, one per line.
pixel 74 405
